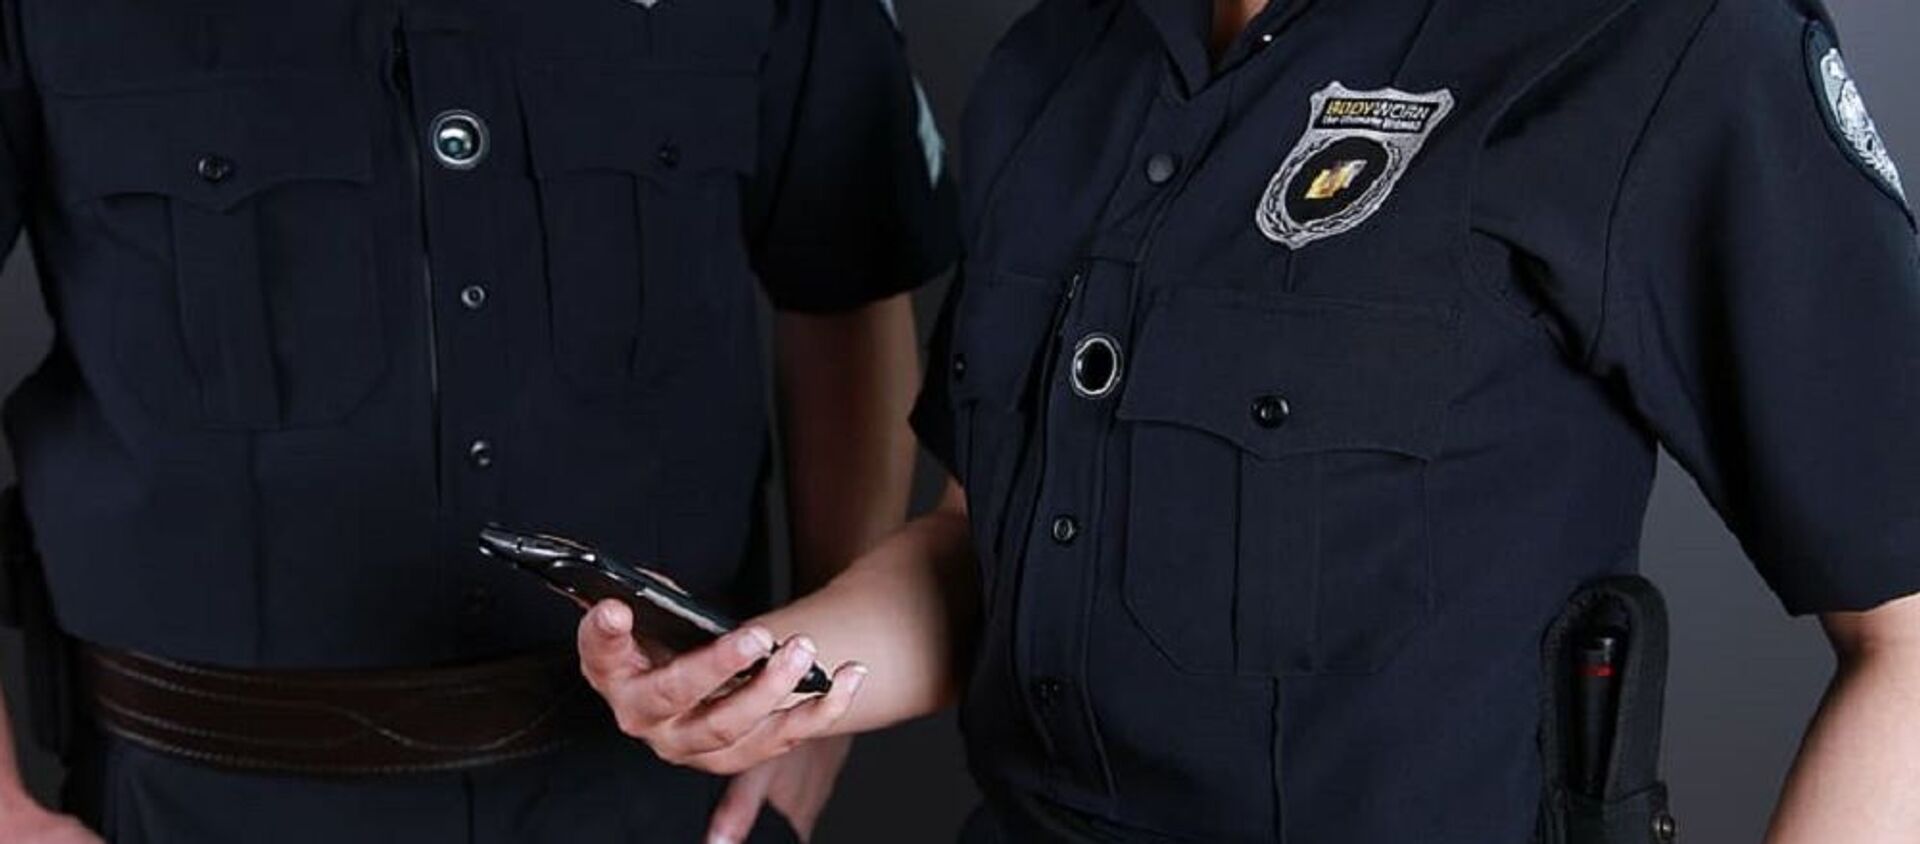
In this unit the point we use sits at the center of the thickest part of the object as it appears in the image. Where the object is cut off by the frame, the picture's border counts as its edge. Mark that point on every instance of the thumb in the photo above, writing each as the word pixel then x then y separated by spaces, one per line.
pixel 739 808
pixel 608 654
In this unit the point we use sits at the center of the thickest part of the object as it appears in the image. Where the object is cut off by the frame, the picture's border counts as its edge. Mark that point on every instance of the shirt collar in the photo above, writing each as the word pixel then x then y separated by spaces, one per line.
pixel 1185 26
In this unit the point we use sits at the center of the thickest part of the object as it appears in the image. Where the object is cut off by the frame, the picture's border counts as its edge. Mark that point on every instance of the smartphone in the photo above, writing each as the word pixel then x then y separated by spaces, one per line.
pixel 663 613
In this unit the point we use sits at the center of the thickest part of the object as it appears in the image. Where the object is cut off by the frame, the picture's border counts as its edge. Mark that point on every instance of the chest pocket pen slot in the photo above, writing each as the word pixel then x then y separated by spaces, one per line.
pixel 237 211
pixel 1279 458
pixel 1000 328
pixel 641 205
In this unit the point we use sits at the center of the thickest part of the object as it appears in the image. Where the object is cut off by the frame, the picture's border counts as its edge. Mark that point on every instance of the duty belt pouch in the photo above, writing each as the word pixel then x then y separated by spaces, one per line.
pixel 1604 687
pixel 26 604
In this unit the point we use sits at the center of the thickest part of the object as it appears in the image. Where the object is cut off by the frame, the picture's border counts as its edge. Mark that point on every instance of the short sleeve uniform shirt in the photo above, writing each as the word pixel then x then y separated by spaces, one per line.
pixel 1295 393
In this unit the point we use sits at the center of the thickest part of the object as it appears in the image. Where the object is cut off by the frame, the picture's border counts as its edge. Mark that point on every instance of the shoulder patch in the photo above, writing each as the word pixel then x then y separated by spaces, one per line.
pixel 933 147
pixel 1846 112
pixel 1357 146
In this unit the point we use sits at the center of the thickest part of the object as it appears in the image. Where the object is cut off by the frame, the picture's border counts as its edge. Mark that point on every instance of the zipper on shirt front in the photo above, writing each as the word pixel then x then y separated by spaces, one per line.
pixel 1033 442
pixel 1016 529
pixel 403 83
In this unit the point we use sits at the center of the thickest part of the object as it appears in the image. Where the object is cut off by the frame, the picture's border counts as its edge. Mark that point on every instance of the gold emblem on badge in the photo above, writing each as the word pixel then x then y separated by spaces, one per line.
pixel 1335 179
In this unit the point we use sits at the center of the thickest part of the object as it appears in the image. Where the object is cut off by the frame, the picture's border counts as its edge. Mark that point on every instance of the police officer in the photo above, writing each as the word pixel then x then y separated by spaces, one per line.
pixel 337 283
pixel 1309 355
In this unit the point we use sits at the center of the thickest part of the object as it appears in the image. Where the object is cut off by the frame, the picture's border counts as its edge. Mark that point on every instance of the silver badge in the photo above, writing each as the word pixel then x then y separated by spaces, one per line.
pixel 1851 120
pixel 1357 146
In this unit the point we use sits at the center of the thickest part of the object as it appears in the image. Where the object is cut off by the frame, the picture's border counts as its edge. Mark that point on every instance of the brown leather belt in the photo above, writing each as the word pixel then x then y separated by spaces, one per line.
pixel 343 723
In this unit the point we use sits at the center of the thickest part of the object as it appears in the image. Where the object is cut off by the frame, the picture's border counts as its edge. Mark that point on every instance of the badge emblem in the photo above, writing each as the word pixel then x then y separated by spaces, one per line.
pixel 1847 113
pixel 1357 146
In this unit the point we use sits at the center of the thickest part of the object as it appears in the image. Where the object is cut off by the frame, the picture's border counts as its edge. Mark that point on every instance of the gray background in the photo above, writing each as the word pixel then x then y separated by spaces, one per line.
pixel 1745 677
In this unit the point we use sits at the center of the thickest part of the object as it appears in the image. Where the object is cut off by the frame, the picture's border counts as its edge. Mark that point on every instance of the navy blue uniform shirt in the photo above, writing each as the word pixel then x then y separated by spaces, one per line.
pixel 336 282
pixel 1294 393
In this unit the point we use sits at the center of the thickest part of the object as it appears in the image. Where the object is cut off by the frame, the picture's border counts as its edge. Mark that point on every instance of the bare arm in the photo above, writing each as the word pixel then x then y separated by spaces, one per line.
pixel 1857 780
pixel 906 611
pixel 906 608
pixel 846 384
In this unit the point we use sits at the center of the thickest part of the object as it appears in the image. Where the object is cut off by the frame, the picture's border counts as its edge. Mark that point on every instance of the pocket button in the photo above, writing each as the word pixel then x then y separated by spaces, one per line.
pixel 1271 411
pixel 214 168
pixel 474 297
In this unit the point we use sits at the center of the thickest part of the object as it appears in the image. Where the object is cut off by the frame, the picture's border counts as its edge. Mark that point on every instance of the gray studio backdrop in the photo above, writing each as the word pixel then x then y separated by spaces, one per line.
pixel 1745 677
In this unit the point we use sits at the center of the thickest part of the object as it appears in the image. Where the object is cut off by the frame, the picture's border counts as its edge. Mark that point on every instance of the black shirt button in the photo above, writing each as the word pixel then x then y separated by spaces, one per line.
pixel 1047 691
pixel 959 367
pixel 1065 529
pixel 214 168
pixel 669 155
pixel 1271 411
pixel 1161 168
pixel 1665 829
pixel 480 454
pixel 473 297
pixel 459 140
pixel 478 601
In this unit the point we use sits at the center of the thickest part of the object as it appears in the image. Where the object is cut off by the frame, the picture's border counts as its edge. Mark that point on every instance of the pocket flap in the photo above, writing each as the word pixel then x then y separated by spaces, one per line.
pixel 1294 375
pixel 1003 324
pixel 586 116
pixel 214 145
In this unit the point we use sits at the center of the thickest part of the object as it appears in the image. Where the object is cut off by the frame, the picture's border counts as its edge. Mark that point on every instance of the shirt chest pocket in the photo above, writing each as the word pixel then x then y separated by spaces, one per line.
pixel 1280 452
pixel 231 220
pixel 640 176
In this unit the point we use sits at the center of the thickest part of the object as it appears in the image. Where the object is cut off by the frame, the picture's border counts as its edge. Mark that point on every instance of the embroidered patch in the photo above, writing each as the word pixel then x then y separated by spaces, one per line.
pixel 1846 111
pixel 932 145
pixel 1357 146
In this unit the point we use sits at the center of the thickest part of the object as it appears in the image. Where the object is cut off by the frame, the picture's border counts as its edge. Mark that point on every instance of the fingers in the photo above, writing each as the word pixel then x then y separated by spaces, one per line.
pixel 739 808
pixel 684 708
pixel 728 719
pixel 785 729
pixel 648 704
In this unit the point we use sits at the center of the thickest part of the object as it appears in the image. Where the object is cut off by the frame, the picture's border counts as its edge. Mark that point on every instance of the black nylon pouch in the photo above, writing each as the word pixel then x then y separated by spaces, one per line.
pixel 26 604
pixel 1631 804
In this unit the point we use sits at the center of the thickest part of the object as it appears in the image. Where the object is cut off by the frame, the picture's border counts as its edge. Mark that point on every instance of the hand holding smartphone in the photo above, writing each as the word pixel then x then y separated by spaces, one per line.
pixel 663 614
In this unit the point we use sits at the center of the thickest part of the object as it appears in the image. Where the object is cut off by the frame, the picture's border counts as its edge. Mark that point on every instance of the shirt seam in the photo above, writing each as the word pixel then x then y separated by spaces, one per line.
pixel 1616 208
pixel 777 183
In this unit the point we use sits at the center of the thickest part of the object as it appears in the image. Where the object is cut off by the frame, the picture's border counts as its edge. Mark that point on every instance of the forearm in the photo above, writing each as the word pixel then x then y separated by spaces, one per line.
pixel 1857 780
pixel 846 385
pixel 906 610
pixel 13 792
